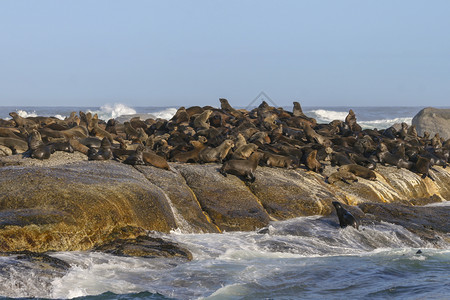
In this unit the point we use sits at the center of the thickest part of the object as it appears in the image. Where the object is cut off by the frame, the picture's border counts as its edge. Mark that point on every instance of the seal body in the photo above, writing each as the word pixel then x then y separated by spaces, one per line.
pixel 360 171
pixel 103 153
pixel 345 217
pixel 242 167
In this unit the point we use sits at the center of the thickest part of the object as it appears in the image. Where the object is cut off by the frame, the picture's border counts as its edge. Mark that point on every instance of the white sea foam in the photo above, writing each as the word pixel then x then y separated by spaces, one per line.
pixel 25 114
pixel 165 114
pixel 232 264
pixel 329 115
pixel 384 123
pixel 326 116
pixel 112 111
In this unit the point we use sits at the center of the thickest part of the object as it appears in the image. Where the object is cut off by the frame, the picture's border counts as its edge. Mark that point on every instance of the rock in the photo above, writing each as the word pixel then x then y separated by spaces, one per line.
pixel 428 222
pixel 292 193
pixel 433 120
pixel 40 260
pixel 29 275
pixel 188 212
pixel 76 206
pixel 227 200
pixel 145 246
pixel 82 204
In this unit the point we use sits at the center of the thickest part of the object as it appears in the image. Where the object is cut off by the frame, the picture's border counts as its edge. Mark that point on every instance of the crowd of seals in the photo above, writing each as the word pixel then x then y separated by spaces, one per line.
pixel 237 138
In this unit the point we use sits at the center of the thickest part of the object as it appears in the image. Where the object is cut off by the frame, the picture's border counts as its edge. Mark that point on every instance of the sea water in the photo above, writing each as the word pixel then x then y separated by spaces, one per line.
pixel 302 258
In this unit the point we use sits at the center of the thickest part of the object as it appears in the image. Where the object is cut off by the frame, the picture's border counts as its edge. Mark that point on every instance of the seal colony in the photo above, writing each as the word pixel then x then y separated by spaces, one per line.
pixel 239 139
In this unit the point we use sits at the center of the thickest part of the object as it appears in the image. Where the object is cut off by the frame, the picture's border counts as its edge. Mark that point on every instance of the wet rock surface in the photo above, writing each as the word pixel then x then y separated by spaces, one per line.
pixel 431 223
pixel 145 246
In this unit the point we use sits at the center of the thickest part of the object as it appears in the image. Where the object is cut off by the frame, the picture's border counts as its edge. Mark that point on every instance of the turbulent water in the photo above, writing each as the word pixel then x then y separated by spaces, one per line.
pixel 303 258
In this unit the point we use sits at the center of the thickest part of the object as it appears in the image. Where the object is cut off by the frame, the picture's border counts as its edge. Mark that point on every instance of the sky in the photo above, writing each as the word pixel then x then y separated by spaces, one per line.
pixel 184 53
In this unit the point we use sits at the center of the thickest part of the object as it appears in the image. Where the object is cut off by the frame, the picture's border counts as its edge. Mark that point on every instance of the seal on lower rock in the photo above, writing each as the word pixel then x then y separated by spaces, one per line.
pixel 345 217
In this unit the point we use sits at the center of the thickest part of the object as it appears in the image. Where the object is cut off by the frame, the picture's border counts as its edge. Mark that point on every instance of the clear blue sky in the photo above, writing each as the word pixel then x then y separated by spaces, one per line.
pixel 173 53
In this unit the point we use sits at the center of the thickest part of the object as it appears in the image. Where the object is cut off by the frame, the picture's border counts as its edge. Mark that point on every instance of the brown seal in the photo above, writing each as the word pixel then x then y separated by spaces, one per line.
pixel 77 146
pixel 192 155
pixel 62 146
pixel 23 122
pixel 137 157
pixel 297 110
pixel 312 163
pixel 423 166
pixel 103 153
pixel 10 132
pixel 5 151
pixel 350 120
pixel 99 132
pixel 181 116
pixel 360 171
pixel 194 110
pixel 216 154
pixel 226 107
pixel 342 176
pixel 37 148
pixel 130 131
pixel 240 167
pixel 244 151
pixel 200 122
pixel 340 159
pixel 153 159
pixel 279 161
pixel 314 137
pixel 14 144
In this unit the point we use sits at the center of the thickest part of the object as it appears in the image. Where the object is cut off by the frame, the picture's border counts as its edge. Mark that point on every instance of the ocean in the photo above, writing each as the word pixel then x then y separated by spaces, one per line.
pixel 301 258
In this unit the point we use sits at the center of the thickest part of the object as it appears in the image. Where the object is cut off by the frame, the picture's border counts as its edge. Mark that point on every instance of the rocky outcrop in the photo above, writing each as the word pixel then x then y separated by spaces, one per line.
pixel 186 209
pixel 76 206
pixel 227 200
pixel 433 120
pixel 81 205
pixel 145 246
pixel 428 222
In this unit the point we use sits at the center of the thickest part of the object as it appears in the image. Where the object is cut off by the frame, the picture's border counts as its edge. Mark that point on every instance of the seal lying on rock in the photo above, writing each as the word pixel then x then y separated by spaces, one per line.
pixel 344 176
pixel 345 217
pixel 153 159
pixel 241 167
pixel 359 171
pixel 36 148
pixel 136 158
pixel 216 154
